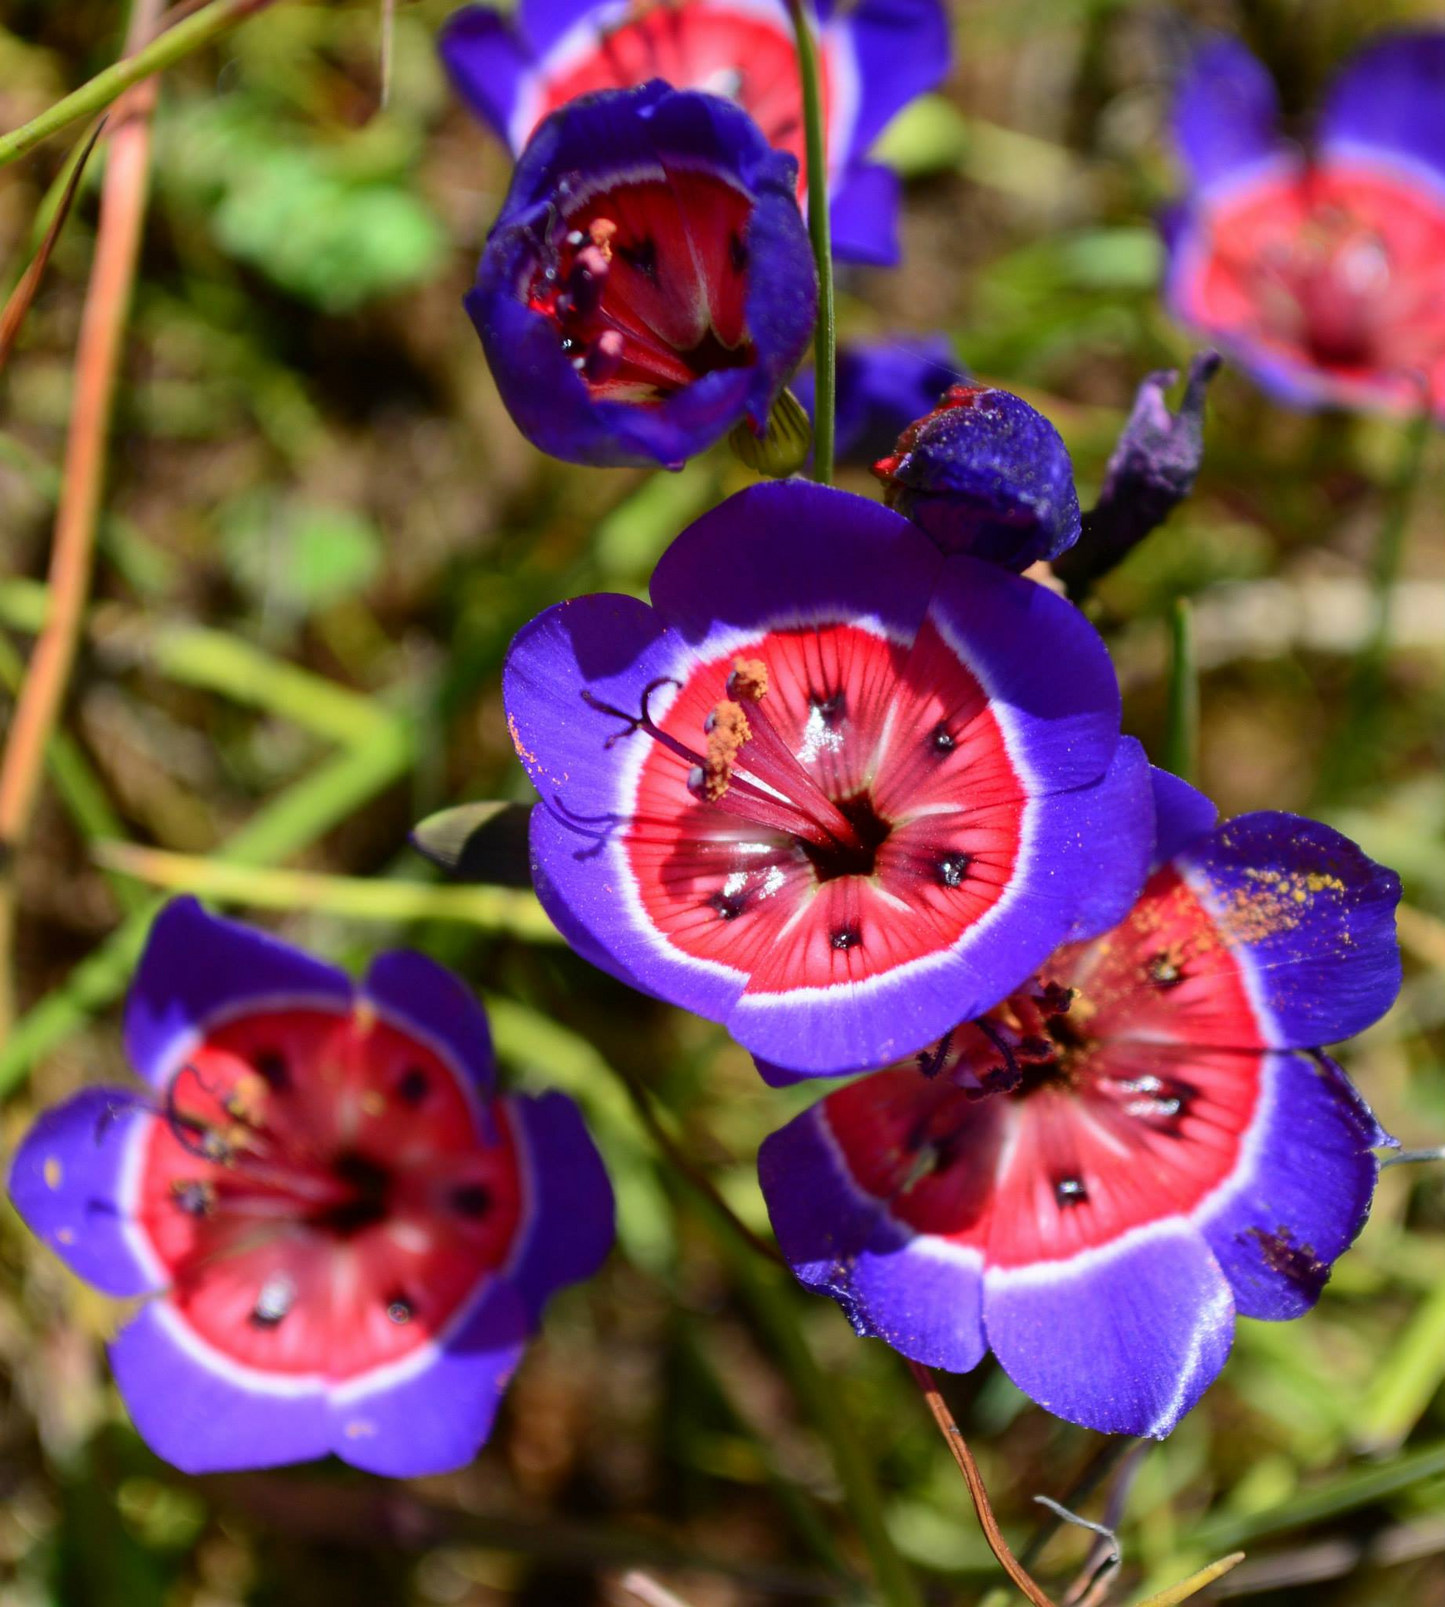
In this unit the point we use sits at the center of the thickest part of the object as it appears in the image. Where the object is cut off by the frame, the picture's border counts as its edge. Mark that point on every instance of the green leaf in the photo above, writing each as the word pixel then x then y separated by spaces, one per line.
pixel 478 842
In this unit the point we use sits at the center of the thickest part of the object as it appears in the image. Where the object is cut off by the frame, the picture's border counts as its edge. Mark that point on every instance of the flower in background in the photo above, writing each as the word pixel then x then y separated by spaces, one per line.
pixel 1141 1142
pixel 882 386
pixel 346 1233
pixel 984 473
pixel 1318 269
pixel 874 57
pixel 649 282
pixel 827 789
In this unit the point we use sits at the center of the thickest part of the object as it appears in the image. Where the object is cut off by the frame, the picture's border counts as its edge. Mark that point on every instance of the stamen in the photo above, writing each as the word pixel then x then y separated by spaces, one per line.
pixel 727 729
pixel 193 1197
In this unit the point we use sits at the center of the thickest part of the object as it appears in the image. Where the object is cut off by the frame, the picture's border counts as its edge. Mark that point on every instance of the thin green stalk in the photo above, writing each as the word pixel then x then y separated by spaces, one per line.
pixel 1181 740
pixel 358 898
pixel 106 87
pixel 305 811
pixel 825 342
pixel 1367 683
pixel 763 1290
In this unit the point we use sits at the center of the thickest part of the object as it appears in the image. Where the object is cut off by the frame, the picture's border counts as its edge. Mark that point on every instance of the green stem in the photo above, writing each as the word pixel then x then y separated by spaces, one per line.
pixel 1181 742
pixel 93 97
pixel 820 229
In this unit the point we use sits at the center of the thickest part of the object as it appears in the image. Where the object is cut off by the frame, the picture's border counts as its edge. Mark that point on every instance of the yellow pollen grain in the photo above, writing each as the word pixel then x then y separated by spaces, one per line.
pixel 729 730
pixel 65 1235
pixel 523 753
pixel 750 679
pixel 373 1103
pixel 54 1172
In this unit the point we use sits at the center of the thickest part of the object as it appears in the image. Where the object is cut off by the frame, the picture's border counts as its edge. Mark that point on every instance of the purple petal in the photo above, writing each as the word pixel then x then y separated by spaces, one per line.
pixel 1182 815
pixel 1124 1340
pixel 68 1181
pixel 791 549
pixel 204 1414
pixel 198 968
pixel 487 64
pixel 1390 101
pixel 1311 917
pixel 433 1412
pixel 429 1002
pixel 572 1228
pixel 863 212
pixel 911 1291
pixel 902 50
pixel 1112 824
pixel 1225 114
pixel 1304 1189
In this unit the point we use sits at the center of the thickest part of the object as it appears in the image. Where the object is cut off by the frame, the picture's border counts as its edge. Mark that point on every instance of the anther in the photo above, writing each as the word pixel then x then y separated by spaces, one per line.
pixel 192 1197
pixel 953 869
pixel 1071 1191
pixel 846 937
pixel 400 1310
pixel 942 740
pixel 748 682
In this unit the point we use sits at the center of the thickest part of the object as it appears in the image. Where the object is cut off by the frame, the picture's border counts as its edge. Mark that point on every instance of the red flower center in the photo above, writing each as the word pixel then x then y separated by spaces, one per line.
pixel 648 286
pixel 1112 1092
pixel 747 58
pixel 324 1192
pixel 821 805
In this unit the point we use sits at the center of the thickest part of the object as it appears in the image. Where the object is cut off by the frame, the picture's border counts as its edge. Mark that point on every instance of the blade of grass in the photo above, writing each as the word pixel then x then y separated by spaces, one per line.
pixel 1360 1487
pixel 825 340
pixel 492 909
pixel 1181 739
pixel 1194 1583
pixel 19 302
pixel 93 97
pixel 1407 1379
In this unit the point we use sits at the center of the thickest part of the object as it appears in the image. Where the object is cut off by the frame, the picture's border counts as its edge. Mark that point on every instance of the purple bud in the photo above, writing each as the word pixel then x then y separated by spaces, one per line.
pixel 1153 467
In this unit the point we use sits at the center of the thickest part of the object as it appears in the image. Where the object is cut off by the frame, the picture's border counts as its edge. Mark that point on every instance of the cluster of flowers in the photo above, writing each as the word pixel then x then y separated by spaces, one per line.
pixel 853 785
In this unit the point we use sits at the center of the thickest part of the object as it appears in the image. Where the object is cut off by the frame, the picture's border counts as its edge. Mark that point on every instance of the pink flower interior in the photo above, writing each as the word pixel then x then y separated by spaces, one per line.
pixel 326 1193
pixel 1113 1091
pixel 872 818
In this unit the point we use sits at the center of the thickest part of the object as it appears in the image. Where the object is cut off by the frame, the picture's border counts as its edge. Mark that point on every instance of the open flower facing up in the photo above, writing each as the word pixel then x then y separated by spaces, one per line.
pixel 882 386
pixel 874 57
pixel 984 473
pixel 1094 1177
pixel 648 283
pixel 833 788
pixel 1320 269
pixel 345 1233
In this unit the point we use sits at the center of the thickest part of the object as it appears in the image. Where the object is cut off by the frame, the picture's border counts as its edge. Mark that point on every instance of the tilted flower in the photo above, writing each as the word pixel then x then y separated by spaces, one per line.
pixel 882 386
pixel 649 282
pixel 345 1232
pixel 874 57
pixel 1318 269
pixel 985 473
pixel 1143 1141
pixel 831 784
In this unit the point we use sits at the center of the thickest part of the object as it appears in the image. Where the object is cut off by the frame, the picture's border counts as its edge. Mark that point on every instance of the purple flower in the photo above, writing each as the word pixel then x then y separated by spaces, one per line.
pixel 984 473
pixel 1319 270
pixel 882 386
pixel 875 57
pixel 345 1232
pixel 1142 1142
pixel 827 787
pixel 649 281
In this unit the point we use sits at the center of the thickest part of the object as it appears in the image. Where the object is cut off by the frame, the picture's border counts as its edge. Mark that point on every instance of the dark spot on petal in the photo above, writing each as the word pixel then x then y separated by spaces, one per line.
pixel 1164 972
pixel 400 1310
pixel 414 1086
pixel 738 253
pixel 1070 1191
pixel 847 937
pixel 192 1197
pixel 831 706
pixel 728 905
pixel 941 739
pixel 639 254
pixel 274 1301
pixel 272 1069
pixel 1296 1262
pixel 953 869
pixel 471 1199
